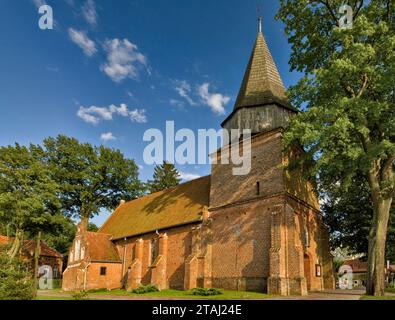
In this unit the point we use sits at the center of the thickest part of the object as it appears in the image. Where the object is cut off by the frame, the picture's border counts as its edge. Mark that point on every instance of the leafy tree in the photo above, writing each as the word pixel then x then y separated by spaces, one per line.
pixel 348 215
pixel 92 227
pixel 91 178
pixel 347 93
pixel 15 280
pixel 165 176
pixel 28 196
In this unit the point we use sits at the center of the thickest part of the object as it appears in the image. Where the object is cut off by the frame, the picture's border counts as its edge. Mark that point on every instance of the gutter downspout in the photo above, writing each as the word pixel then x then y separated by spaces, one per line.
pixel 86 273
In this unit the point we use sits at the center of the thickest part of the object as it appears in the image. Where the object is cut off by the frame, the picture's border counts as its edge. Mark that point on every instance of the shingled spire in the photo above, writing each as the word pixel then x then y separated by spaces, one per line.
pixel 262 83
pixel 262 104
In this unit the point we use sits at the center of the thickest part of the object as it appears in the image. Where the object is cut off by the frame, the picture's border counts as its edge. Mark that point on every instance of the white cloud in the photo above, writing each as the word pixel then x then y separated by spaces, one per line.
pixel 89 12
pixel 39 3
pixel 215 101
pixel 81 39
pixel 123 59
pixel 94 114
pixel 183 88
pixel 138 116
pixel 107 137
pixel 188 176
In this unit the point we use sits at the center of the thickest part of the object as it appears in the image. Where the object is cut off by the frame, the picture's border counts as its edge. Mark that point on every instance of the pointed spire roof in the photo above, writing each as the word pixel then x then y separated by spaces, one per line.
pixel 262 83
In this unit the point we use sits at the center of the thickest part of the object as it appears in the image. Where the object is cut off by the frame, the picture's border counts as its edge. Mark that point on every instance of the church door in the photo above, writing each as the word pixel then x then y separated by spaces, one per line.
pixel 307 271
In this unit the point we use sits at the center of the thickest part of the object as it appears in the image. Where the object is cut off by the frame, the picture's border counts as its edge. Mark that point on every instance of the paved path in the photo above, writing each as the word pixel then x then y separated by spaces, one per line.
pixel 323 295
pixel 327 295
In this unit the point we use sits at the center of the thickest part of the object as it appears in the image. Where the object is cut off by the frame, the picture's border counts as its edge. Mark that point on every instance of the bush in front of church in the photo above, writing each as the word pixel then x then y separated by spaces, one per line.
pixel 206 292
pixel 145 289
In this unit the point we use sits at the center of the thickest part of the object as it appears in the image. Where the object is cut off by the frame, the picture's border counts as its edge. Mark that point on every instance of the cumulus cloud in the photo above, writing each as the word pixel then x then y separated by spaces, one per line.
pixel 138 116
pixel 215 101
pixel 89 12
pixel 188 176
pixel 123 60
pixel 183 88
pixel 81 39
pixel 94 114
pixel 107 137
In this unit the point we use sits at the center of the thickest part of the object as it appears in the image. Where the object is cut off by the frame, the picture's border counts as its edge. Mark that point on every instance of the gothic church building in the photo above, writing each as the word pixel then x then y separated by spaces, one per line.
pixel 259 232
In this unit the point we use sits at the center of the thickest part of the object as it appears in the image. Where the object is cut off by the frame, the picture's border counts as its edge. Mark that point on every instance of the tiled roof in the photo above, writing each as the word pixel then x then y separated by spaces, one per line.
pixel 4 240
pixel 101 248
pixel 180 205
pixel 262 83
pixel 356 265
pixel 30 245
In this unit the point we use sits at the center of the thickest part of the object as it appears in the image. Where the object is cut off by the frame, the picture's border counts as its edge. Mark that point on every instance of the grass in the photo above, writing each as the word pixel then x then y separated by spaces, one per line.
pixel 390 290
pixel 377 298
pixel 53 298
pixel 177 294
pixel 227 294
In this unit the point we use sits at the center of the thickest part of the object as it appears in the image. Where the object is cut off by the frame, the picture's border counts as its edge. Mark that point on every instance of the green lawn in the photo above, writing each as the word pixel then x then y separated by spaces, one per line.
pixel 390 290
pixel 53 298
pixel 377 298
pixel 227 295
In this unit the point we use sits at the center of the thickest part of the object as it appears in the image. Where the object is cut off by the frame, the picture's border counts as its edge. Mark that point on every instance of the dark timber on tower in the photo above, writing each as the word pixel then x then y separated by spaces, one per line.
pixel 262 92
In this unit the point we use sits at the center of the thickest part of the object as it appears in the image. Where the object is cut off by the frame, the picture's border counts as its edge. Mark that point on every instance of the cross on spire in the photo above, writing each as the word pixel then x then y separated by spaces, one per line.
pixel 260 24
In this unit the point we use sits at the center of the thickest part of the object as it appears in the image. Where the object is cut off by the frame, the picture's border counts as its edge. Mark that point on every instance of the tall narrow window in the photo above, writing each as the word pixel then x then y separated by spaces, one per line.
pixel 258 188
pixel 154 250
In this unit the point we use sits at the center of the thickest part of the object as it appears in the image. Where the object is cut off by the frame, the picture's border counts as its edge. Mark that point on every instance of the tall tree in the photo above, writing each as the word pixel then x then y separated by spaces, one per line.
pixel 165 176
pixel 28 195
pixel 91 178
pixel 348 96
pixel 348 215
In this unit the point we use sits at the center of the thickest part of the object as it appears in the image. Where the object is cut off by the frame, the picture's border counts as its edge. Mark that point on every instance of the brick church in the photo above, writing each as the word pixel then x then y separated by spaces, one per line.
pixel 259 232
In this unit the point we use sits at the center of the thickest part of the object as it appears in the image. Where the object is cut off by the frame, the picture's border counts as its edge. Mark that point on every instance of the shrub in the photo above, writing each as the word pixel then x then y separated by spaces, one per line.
pixel 15 280
pixel 145 289
pixel 206 292
pixel 80 295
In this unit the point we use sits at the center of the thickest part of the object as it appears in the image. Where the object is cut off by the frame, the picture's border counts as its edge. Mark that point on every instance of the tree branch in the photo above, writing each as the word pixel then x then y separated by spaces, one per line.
pixel 364 85
pixel 326 4
pixel 359 9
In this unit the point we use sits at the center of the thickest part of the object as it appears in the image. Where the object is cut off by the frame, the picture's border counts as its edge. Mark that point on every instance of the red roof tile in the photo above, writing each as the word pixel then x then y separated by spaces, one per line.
pixel 180 205
pixel 101 248
pixel 30 245
pixel 356 265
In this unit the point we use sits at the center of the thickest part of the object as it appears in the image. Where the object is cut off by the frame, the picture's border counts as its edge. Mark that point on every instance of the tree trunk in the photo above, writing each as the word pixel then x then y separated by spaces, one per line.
pixel 376 250
pixel 16 245
pixel 379 175
pixel 37 253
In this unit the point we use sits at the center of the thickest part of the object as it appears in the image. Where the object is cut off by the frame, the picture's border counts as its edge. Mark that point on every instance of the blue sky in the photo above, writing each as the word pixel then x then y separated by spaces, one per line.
pixel 110 70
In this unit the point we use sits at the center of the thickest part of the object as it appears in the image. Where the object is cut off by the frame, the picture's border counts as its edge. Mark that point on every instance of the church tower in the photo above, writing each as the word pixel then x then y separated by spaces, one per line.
pixel 267 232
pixel 262 104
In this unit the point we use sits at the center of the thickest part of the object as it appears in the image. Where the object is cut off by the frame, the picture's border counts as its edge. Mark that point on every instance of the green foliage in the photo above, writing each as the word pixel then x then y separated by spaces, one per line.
pixel 165 176
pixel 28 195
pixel 91 178
pixel 80 295
pixel 92 227
pixel 145 289
pixel 206 292
pixel 349 214
pixel 347 94
pixel 15 281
